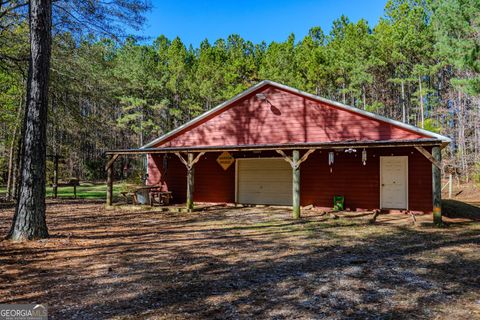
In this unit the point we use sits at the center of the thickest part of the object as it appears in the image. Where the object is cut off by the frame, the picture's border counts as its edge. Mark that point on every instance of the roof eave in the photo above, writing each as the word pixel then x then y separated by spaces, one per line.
pixel 285 146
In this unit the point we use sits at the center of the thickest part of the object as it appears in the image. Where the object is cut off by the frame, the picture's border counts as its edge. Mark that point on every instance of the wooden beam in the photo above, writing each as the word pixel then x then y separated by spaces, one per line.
pixel 190 164
pixel 196 158
pixel 305 156
pixel 274 147
pixel 111 161
pixel 190 182
pixel 444 144
pixel 109 168
pixel 285 157
pixel 295 164
pixel 110 181
pixel 178 154
pixel 436 187
pixel 296 184
pixel 427 155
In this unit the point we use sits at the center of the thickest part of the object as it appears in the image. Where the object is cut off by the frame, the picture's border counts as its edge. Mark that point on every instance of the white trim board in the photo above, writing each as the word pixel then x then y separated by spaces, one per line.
pixel 302 93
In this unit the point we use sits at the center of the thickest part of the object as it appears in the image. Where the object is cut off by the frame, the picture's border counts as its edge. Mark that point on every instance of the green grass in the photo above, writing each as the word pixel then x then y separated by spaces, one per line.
pixel 84 191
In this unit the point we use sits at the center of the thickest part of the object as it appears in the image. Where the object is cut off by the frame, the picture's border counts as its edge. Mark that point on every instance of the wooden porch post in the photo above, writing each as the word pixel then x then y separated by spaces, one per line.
pixel 295 163
pixel 296 184
pixel 190 163
pixel 437 186
pixel 109 185
pixel 109 168
pixel 190 181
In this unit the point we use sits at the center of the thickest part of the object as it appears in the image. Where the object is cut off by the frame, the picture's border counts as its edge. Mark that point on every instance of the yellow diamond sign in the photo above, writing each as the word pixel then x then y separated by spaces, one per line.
pixel 225 160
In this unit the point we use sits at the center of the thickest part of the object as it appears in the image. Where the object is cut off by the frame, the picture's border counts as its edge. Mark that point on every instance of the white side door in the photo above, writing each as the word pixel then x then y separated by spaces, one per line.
pixel 394 182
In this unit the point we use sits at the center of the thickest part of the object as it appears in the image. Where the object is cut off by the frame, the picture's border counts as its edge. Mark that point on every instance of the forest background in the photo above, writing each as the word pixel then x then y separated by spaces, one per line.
pixel 420 64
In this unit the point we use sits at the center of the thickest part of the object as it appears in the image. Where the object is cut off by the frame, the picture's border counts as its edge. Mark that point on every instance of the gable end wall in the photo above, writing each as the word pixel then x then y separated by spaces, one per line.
pixel 286 117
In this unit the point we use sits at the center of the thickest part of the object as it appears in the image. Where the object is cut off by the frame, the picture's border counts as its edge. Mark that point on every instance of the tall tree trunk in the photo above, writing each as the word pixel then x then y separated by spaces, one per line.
pixel 16 163
pixel 408 102
pixel 364 98
pixel 422 112
pixel 11 157
pixel 29 220
pixel 461 135
pixel 477 130
pixel 404 111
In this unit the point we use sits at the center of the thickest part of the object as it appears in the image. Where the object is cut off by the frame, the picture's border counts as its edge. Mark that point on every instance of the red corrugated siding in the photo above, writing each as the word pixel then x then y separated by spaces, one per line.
pixel 173 178
pixel 357 183
pixel 286 118
pixel 212 183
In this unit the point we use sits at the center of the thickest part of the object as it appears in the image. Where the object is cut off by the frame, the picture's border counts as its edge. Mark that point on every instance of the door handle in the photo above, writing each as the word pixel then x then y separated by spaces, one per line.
pixel 383 185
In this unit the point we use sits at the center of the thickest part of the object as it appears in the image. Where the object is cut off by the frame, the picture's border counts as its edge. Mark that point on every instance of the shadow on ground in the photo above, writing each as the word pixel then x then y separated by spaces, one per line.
pixel 460 209
pixel 240 263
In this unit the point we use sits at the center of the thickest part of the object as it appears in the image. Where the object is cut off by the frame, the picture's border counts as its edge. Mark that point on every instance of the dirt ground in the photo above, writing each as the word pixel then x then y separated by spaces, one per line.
pixel 231 263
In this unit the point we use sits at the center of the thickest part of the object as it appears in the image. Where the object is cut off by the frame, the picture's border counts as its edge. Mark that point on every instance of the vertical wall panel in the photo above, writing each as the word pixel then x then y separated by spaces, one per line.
pixel 359 184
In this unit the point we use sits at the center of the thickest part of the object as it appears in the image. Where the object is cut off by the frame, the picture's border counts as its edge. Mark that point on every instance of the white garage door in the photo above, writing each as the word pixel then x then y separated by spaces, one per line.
pixel 264 181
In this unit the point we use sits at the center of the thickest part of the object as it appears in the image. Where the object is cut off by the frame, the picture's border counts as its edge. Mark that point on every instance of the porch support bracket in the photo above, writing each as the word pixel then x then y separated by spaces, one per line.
pixel 295 161
pixel 430 157
pixel 189 164
pixel 109 169
pixel 295 164
pixel 437 187
pixel 111 161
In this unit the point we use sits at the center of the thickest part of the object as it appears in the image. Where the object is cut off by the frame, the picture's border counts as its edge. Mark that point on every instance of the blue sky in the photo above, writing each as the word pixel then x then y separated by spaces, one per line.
pixel 269 20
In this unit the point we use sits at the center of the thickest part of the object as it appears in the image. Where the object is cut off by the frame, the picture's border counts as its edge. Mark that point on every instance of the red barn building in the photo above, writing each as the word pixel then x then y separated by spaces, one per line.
pixel 276 145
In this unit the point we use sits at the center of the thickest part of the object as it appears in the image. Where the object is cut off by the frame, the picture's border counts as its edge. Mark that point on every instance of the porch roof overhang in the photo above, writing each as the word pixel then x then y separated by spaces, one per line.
pixel 284 146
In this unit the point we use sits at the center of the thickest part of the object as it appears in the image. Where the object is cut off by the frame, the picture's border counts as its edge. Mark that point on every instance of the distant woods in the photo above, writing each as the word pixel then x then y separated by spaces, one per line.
pixel 418 64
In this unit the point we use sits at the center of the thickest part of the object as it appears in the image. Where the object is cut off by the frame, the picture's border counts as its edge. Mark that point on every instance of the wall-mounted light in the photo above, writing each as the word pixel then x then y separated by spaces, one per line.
pixel 261 96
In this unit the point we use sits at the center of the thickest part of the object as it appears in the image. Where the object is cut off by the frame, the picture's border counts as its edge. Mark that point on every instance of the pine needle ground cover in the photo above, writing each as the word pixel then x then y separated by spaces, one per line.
pixel 241 263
